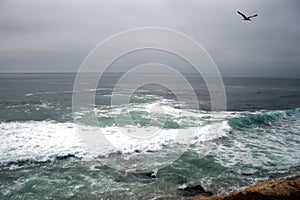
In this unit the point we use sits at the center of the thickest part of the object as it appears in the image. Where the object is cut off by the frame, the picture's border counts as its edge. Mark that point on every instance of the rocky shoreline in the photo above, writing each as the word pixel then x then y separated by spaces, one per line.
pixel 269 190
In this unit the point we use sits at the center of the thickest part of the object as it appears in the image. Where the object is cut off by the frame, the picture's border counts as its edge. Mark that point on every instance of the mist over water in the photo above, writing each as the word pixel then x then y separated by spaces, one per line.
pixel 42 155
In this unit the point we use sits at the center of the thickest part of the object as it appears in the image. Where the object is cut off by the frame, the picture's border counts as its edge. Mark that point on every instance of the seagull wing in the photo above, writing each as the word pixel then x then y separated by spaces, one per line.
pixel 252 16
pixel 244 16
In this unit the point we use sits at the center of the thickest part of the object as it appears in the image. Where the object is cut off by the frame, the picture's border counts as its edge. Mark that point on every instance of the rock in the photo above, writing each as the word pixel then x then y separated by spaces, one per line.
pixel 190 191
pixel 151 174
pixel 269 190
pixel 148 174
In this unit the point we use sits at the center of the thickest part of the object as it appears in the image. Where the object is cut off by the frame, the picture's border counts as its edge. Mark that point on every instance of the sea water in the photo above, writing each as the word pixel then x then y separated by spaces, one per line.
pixel 42 156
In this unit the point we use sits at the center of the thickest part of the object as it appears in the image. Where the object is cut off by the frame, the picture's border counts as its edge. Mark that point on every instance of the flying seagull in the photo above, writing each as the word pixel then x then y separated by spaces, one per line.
pixel 245 17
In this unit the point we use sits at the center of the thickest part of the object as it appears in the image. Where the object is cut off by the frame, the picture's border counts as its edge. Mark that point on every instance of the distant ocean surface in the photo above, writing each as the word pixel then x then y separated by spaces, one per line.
pixel 43 157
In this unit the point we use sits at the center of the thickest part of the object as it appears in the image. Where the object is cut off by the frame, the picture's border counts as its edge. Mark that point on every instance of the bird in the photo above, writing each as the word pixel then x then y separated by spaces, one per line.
pixel 247 18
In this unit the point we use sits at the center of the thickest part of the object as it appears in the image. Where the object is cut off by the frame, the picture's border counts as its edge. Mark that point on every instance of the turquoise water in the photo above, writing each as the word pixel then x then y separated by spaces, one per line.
pixel 42 156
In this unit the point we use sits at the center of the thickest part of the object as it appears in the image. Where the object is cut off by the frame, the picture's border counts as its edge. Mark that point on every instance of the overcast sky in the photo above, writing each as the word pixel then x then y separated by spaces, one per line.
pixel 56 35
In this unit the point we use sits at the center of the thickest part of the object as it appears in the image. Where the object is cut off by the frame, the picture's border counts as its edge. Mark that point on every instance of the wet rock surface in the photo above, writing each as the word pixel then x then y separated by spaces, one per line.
pixel 269 190
pixel 195 190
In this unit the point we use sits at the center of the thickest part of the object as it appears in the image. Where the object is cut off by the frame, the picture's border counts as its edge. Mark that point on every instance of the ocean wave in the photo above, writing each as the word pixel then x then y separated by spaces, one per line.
pixel 268 141
pixel 43 141
pixel 29 161
pixel 49 92
pixel 38 141
pixel 213 131
pixel 263 118
pixel 16 103
pixel 66 92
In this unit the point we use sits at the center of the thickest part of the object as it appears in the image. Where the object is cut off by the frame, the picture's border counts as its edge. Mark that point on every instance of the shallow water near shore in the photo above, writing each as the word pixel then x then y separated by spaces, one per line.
pixel 42 155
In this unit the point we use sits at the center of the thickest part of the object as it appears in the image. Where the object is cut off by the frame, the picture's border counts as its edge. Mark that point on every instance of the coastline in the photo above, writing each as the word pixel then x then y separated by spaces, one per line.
pixel 268 190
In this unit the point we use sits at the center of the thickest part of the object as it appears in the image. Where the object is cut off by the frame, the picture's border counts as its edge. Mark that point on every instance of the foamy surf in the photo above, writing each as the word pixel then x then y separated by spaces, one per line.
pixel 38 141
pixel 46 140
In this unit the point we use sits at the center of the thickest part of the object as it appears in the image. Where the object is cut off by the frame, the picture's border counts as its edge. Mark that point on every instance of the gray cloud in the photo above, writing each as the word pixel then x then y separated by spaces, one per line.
pixel 57 35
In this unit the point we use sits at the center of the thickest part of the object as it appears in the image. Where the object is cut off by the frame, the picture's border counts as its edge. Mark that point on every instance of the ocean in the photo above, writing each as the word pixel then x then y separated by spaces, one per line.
pixel 42 156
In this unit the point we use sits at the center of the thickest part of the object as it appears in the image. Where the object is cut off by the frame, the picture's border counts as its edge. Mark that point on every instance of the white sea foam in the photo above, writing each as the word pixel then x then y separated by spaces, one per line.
pixel 38 141
pixel 45 140
pixel 48 92
pixel 213 131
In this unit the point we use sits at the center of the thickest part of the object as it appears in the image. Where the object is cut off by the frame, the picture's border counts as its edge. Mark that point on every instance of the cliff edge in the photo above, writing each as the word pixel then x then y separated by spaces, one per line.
pixel 269 190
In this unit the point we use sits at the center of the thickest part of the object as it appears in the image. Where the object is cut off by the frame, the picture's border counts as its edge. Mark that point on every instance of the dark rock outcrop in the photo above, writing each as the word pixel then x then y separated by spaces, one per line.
pixel 191 191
